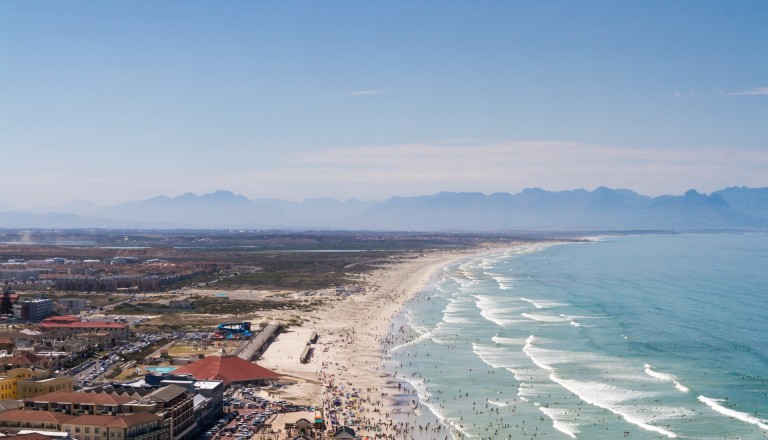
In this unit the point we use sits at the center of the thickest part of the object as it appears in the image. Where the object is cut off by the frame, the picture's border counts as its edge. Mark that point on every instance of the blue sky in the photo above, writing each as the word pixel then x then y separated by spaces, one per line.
pixel 115 101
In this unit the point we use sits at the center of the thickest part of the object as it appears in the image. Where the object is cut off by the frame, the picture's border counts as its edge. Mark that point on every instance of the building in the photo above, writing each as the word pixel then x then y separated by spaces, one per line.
pixel 230 369
pixel 19 275
pixel 24 360
pixel 32 388
pixel 7 344
pixel 33 309
pixel 74 305
pixel 138 426
pixel 65 326
pixel 344 432
pixel 9 382
pixel 20 383
pixel 75 403
pixel 174 401
pixel 208 395
pixel 171 402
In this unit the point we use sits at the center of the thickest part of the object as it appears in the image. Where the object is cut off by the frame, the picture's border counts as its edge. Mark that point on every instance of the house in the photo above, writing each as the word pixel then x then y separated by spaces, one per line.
pixel 344 432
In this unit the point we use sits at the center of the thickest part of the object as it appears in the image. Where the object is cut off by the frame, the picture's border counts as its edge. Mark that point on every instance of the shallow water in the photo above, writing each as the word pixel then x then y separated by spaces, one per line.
pixel 654 336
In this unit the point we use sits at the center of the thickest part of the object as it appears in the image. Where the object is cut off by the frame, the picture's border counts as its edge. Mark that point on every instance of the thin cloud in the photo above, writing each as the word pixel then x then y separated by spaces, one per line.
pixel 365 92
pixel 756 91
pixel 412 169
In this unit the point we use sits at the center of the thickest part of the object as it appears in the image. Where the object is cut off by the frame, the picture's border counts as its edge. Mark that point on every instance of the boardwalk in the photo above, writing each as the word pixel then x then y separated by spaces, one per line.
pixel 252 349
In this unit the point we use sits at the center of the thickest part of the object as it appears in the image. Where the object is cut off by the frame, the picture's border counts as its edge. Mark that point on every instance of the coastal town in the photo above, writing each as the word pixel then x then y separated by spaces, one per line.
pixel 134 348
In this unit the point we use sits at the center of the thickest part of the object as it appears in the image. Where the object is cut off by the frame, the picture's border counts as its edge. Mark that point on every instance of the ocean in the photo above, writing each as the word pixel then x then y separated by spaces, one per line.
pixel 645 337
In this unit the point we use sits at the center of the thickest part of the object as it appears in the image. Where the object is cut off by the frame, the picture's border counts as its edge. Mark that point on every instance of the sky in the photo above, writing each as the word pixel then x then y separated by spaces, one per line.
pixel 124 100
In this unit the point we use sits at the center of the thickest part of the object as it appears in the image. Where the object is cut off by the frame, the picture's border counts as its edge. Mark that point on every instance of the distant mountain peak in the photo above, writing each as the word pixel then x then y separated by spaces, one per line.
pixel 601 209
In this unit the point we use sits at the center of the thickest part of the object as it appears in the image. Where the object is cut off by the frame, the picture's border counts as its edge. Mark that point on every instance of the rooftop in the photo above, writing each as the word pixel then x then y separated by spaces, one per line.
pixel 227 368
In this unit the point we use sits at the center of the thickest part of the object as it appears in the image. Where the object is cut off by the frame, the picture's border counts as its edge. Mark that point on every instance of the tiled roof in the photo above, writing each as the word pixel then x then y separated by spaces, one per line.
pixel 134 419
pixel 28 415
pixel 34 436
pixel 74 397
pixel 227 368
pixel 76 325
pixel 90 420
pixel 61 319
pixel 126 421
pixel 31 357
pixel 24 359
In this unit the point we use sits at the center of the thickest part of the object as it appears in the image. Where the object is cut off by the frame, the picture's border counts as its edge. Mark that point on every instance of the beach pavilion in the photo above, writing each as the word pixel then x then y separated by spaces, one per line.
pixel 230 369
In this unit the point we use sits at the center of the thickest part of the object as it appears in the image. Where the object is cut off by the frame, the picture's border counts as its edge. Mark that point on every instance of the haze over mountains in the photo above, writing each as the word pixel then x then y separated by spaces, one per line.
pixel 602 209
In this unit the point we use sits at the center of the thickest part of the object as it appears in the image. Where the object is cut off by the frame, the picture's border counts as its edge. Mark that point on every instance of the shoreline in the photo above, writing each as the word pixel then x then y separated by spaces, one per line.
pixel 346 375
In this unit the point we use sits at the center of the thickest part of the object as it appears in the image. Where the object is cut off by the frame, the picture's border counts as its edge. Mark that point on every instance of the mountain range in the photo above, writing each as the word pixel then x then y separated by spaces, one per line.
pixel 603 209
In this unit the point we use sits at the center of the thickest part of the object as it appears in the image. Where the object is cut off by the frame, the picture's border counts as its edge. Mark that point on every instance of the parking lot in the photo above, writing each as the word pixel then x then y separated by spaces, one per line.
pixel 248 414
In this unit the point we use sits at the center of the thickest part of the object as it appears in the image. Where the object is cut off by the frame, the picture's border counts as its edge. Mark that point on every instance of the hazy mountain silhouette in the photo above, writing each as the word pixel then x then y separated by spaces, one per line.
pixel 752 201
pixel 602 209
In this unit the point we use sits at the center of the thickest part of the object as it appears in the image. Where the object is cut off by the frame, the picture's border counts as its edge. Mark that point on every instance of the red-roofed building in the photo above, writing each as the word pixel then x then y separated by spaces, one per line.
pixel 118 331
pixel 228 369
pixel 35 436
pixel 78 403
pixel 67 319
pixel 26 360
pixel 17 419
pixel 7 344
pixel 138 426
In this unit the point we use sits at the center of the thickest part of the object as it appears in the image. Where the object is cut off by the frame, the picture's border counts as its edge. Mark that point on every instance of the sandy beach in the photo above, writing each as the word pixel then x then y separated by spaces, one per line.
pixel 344 374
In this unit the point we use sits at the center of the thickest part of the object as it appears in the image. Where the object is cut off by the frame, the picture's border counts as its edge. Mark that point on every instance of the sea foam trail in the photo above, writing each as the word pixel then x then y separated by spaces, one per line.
pixel 504 283
pixel 569 429
pixel 744 417
pixel 508 341
pixel 665 377
pixel 497 310
pixel 420 338
pixel 598 394
pixel 545 318
pixel 541 304
pixel 453 312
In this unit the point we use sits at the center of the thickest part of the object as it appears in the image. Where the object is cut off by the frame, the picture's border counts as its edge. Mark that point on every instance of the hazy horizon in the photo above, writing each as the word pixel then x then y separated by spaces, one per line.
pixel 115 102
pixel 350 199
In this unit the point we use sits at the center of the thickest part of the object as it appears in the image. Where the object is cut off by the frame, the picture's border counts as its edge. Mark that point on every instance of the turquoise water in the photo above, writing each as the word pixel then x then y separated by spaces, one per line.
pixel 161 370
pixel 645 336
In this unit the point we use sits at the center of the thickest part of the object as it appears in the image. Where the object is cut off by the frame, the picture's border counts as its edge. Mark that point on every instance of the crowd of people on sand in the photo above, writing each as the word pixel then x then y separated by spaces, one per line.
pixel 356 392
pixel 393 410
pixel 370 411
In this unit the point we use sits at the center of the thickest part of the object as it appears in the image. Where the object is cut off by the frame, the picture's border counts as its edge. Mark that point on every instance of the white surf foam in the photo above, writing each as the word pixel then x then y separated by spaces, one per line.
pixel 420 338
pixel 609 398
pixel 497 310
pixel 508 341
pixel 545 318
pixel 453 312
pixel 541 303
pixel 744 417
pixel 569 429
pixel 665 377
pixel 492 356
pixel 504 283
pixel 598 394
